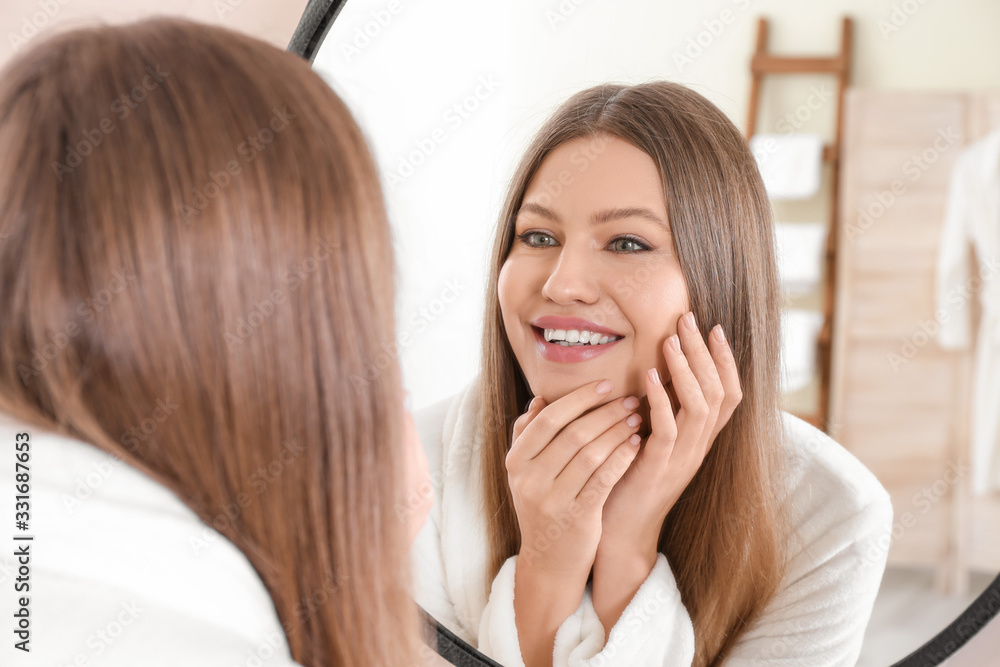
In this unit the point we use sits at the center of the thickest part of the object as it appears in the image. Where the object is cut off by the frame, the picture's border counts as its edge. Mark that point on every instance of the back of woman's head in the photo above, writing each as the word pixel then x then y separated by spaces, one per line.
pixel 196 275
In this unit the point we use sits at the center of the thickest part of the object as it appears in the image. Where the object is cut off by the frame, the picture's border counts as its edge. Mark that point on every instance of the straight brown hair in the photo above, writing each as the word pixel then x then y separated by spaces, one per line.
pixel 725 536
pixel 195 261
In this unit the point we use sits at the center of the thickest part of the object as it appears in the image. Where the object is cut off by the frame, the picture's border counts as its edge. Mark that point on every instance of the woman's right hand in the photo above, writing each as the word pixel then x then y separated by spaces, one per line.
pixel 562 464
pixel 561 467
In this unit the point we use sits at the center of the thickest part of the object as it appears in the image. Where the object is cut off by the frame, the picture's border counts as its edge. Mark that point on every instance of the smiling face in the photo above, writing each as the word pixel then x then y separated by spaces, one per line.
pixel 592 252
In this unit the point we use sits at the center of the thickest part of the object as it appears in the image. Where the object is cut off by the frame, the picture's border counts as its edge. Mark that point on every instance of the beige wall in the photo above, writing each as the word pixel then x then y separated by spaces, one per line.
pixel 23 21
pixel 911 44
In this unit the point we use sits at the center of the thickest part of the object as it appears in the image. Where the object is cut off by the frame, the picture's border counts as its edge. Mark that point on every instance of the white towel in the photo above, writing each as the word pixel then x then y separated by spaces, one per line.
pixel 799 331
pixel 790 164
pixel 800 255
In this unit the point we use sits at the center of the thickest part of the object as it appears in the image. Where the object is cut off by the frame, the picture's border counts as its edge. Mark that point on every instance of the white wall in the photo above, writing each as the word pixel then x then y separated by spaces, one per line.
pixel 423 56
pixel 24 21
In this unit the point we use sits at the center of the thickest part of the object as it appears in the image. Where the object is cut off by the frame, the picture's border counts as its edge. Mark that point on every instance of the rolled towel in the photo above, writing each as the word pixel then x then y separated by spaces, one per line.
pixel 799 332
pixel 800 255
pixel 790 164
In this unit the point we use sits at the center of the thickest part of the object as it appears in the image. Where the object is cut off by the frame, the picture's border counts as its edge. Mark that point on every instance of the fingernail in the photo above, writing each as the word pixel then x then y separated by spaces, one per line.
pixel 635 439
pixel 675 343
pixel 654 375
pixel 689 321
pixel 631 403
pixel 633 420
pixel 719 333
pixel 604 387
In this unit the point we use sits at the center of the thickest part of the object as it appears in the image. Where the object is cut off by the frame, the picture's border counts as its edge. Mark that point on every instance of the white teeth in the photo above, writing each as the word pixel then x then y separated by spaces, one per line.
pixel 577 337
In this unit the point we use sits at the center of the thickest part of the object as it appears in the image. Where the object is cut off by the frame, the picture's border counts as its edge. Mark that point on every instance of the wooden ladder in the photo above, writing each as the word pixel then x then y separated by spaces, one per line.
pixel 762 64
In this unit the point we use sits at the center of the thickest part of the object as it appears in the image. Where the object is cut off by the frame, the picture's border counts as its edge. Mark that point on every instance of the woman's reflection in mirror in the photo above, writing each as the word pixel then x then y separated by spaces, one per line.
pixel 618 485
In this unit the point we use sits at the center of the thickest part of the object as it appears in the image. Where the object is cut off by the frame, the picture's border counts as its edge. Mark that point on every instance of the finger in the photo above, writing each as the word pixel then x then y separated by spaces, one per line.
pixel 517 446
pixel 554 417
pixel 583 430
pixel 702 363
pixel 660 444
pixel 534 407
pixel 587 460
pixel 728 373
pixel 694 410
pixel 595 492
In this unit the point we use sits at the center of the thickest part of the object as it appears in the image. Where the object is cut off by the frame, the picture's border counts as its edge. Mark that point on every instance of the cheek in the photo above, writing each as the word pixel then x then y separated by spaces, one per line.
pixel 654 313
pixel 659 302
pixel 503 288
pixel 665 291
pixel 509 294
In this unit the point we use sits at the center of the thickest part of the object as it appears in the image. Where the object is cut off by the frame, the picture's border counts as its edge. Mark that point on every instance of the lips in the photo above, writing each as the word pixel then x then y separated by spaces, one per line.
pixel 567 323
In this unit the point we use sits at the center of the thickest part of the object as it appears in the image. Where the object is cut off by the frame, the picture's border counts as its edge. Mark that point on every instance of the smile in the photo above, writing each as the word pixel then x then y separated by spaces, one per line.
pixel 576 337
pixel 558 345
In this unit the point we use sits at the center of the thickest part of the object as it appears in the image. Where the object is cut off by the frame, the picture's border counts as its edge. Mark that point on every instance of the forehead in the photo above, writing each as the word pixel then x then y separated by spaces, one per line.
pixel 597 172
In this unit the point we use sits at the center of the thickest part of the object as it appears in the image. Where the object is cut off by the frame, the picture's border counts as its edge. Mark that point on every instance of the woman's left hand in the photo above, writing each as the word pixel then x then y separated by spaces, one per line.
pixel 707 386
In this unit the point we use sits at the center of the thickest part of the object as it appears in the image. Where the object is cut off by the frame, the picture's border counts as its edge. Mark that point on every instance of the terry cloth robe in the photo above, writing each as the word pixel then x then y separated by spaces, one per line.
pixel 973 218
pixel 843 522
pixel 122 573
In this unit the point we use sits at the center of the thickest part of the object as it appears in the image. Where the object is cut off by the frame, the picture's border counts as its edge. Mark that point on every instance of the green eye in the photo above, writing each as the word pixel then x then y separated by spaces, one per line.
pixel 536 239
pixel 628 244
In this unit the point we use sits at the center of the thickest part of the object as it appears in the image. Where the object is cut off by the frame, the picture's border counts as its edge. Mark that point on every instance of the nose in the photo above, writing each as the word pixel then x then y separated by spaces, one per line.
pixel 573 278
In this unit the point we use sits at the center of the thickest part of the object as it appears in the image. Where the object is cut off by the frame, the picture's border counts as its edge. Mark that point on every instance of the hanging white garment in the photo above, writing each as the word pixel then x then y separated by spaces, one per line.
pixel 973 217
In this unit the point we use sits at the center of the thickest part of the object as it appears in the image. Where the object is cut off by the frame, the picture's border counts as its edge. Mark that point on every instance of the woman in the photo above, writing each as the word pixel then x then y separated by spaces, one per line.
pixel 652 505
pixel 196 286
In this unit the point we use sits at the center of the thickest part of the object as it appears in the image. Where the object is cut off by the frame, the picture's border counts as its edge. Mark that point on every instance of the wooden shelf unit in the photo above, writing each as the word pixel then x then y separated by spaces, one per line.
pixel 763 64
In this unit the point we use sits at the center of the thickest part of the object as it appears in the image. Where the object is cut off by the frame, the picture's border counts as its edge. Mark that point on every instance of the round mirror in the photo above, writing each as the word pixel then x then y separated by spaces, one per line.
pixel 450 93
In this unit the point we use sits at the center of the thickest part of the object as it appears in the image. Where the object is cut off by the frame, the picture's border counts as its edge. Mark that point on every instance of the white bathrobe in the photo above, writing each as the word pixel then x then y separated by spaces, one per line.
pixel 121 572
pixel 973 218
pixel 842 515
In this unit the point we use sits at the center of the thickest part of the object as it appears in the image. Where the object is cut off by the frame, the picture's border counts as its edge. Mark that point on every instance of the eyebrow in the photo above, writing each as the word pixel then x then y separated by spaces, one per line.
pixel 607 215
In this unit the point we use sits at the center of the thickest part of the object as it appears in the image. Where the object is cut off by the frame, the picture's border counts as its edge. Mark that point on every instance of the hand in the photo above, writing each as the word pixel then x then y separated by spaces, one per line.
pixel 564 460
pixel 707 387
pixel 561 467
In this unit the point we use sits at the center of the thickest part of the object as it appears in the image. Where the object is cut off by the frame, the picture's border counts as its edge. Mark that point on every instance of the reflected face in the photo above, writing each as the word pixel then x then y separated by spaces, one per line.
pixel 593 257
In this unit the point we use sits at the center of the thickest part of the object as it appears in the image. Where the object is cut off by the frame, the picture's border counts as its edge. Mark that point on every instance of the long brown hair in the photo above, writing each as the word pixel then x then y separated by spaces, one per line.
pixel 724 537
pixel 196 275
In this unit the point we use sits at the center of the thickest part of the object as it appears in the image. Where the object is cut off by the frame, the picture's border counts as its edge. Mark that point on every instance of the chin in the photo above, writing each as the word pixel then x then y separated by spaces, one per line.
pixel 553 387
